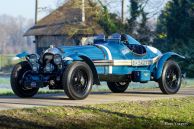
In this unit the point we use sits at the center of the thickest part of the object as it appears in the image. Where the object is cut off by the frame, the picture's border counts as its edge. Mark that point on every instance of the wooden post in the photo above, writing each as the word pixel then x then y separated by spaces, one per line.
pixel 36 20
pixel 83 11
pixel 36 11
pixel 122 11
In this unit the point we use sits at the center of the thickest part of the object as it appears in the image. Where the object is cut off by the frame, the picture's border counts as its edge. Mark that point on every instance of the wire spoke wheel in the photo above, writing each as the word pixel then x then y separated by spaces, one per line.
pixel 172 77
pixel 20 73
pixel 77 80
pixel 118 87
pixel 170 80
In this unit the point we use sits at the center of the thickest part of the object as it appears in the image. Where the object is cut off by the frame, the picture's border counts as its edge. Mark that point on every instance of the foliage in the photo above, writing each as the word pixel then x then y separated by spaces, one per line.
pixel 170 114
pixel 134 13
pixel 144 32
pixel 138 22
pixel 109 21
pixel 175 30
pixel 135 25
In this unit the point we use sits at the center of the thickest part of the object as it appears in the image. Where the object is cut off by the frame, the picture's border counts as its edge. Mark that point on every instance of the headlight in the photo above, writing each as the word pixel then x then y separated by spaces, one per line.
pixel 33 58
pixel 57 59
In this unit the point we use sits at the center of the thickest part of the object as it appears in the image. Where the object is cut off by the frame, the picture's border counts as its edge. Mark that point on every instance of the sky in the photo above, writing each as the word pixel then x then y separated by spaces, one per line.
pixel 26 8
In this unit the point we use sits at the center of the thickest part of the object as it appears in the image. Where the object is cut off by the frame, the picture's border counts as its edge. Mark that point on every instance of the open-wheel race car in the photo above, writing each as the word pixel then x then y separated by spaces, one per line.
pixel 118 60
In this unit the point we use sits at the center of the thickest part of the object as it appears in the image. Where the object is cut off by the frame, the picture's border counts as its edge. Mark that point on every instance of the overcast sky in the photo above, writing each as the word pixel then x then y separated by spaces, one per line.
pixel 23 8
pixel 26 8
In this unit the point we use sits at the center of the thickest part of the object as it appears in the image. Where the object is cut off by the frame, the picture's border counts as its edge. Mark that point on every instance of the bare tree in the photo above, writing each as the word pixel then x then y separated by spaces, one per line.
pixel 11 38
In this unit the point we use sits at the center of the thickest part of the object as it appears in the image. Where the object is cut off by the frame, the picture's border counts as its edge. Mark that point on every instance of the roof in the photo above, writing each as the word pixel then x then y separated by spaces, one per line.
pixel 66 20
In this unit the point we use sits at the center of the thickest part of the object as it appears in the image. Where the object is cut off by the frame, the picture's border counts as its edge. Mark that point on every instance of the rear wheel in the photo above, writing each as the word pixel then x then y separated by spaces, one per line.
pixel 118 87
pixel 18 74
pixel 77 80
pixel 170 80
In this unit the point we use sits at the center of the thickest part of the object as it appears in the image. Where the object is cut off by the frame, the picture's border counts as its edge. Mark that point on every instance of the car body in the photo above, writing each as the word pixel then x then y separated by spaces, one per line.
pixel 118 60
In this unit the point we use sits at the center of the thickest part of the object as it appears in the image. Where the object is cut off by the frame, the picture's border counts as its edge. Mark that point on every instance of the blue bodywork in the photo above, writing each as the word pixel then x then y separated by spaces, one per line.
pixel 118 55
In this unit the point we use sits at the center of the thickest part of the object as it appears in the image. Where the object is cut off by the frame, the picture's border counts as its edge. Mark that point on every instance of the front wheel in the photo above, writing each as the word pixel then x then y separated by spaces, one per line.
pixel 18 74
pixel 118 87
pixel 77 80
pixel 170 80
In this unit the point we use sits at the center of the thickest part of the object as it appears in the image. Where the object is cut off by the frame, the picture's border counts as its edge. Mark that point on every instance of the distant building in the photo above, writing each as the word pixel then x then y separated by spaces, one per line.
pixel 64 26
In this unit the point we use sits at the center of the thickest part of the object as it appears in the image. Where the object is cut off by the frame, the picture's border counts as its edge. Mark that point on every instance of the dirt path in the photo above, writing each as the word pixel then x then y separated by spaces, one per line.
pixel 12 102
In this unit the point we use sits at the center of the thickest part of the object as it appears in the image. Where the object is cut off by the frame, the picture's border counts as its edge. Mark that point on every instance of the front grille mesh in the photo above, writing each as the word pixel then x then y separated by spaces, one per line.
pixel 48 58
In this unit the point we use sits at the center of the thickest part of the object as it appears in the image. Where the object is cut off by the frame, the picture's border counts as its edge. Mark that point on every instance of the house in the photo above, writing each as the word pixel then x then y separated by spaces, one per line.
pixel 64 26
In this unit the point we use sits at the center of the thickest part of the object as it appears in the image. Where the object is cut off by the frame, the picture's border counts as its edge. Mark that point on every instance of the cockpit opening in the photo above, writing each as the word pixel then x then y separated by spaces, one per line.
pixel 133 45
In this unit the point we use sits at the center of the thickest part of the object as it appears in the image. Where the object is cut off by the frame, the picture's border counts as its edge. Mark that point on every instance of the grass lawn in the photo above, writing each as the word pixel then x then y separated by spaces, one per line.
pixel 170 114
pixel 5 92
pixel 189 82
pixel 5 88
pixel 5 81
pixel 185 83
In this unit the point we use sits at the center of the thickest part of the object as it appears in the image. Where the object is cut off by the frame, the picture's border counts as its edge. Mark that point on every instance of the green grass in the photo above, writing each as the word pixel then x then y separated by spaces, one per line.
pixel 7 60
pixel 4 81
pixel 170 114
pixel 5 92
pixel 188 82
pixel 9 92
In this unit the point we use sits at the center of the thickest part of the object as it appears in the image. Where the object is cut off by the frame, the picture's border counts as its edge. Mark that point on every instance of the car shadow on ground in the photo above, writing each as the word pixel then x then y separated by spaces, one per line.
pixel 145 92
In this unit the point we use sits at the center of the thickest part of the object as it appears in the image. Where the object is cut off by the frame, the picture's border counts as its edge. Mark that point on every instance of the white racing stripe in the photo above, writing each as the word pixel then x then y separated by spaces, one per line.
pixel 109 56
pixel 137 62
pixel 110 62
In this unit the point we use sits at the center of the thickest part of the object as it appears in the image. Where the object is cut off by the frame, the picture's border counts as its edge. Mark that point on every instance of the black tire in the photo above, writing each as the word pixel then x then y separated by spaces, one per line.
pixel 16 81
pixel 77 80
pixel 118 87
pixel 170 81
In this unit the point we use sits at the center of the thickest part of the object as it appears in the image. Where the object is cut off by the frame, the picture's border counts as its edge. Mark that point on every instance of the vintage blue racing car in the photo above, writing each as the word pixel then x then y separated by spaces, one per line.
pixel 118 60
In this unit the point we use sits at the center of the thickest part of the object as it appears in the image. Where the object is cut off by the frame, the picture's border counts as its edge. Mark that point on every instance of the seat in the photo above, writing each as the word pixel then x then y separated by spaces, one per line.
pixel 99 39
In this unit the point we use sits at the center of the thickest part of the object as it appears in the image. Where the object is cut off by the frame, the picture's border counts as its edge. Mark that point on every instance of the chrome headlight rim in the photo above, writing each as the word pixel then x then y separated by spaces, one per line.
pixel 57 59
pixel 33 58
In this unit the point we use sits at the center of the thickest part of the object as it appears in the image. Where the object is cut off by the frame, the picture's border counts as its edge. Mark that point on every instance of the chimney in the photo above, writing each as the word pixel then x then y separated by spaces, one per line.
pixel 83 12
pixel 36 11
